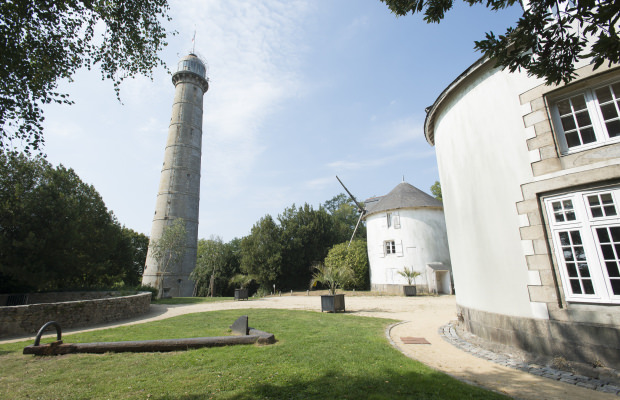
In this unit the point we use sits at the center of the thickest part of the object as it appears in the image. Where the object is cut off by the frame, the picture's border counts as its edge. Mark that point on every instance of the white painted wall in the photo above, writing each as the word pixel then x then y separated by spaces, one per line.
pixel 420 239
pixel 483 159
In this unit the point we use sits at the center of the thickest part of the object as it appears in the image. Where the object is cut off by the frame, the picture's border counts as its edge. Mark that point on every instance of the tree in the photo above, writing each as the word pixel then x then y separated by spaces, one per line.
pixel 436 190
pixel 168 250
pixel 138 247
pixel 306 236
pixel 549 38
pixel 345 214
pixel 43 42
pixel 216 264
pixel 355 257
pixel 262 253
pixel 55 230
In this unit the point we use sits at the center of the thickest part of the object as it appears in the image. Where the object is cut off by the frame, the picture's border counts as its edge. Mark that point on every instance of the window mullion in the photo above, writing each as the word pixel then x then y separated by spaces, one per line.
pixel 596 117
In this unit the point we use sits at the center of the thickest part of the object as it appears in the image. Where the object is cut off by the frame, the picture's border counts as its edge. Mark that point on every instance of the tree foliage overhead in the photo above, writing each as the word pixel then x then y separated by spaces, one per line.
pixel 56 232
pixel 45 41
pixel 549 38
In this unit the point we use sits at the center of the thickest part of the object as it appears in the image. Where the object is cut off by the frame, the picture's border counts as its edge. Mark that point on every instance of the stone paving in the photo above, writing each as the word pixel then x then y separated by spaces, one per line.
pixel 449 333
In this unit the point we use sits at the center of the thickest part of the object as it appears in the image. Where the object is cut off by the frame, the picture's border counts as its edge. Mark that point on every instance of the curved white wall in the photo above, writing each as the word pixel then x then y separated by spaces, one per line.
pixel 483 159
pixel 421 237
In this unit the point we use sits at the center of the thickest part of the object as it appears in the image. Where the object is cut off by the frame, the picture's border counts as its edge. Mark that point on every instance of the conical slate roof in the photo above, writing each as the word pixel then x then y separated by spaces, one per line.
pixel 402 196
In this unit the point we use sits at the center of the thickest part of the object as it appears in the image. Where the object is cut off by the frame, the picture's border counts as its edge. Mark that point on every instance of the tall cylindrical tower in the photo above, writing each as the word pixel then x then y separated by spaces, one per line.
pixel 178 196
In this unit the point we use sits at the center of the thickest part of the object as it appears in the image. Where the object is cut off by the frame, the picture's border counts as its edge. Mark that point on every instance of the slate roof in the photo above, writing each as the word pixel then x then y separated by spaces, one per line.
pixel 402 196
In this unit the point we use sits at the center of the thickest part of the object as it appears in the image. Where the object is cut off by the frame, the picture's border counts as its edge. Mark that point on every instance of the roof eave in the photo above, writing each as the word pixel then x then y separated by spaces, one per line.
pixel 429 121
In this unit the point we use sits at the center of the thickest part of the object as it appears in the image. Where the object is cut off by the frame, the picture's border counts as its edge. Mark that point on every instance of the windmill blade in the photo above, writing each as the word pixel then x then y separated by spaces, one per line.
pixel 359 206
pixel 356 225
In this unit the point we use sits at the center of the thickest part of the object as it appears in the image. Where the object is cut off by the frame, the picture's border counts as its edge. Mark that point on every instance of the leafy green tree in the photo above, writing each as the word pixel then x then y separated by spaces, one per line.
pixel 216 264
pixel 355 257
pixel 549 38
pixel 55 230
pixel 168 250
pixel 345 214
pixel 436 190
pixel 306 236
pixel 45 41
pixel 261 252
pixel 138 244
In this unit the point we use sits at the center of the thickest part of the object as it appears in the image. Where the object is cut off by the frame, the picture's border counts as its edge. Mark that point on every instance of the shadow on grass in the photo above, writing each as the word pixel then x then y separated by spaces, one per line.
pixel 336 385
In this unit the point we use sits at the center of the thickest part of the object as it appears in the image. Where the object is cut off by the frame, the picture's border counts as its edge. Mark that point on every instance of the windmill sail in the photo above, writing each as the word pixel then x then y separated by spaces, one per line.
pixel 360 208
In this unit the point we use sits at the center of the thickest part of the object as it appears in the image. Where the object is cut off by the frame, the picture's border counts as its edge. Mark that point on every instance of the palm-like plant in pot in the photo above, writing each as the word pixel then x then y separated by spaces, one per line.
pixel 332 275
pixel 410 275
pixel 241 280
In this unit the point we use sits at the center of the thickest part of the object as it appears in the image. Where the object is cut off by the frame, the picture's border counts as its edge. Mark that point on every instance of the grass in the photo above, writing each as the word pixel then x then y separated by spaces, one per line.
pixel 190 300
pixel 318 356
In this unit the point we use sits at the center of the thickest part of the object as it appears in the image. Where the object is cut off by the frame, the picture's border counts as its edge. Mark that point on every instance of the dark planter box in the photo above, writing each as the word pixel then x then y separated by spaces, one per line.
pixel 332 303
pixel 409 290
pixel 241 294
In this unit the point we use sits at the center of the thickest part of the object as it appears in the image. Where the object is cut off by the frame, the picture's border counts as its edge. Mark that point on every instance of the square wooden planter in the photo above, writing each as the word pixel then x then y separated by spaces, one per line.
pixel 409 290
pixel 332 303
pixel 241 294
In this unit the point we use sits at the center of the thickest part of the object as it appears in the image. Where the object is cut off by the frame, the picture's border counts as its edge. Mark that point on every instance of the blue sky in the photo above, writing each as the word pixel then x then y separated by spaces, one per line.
pixel 300 91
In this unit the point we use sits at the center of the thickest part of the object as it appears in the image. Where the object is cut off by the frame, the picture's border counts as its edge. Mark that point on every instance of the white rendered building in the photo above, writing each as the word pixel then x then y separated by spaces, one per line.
pixel 530 177
pixel 406 228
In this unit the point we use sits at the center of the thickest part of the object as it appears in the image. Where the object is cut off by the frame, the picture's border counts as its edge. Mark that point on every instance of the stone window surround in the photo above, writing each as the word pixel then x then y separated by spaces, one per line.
pixel 554 174
pixel 593 111
pixel 583 224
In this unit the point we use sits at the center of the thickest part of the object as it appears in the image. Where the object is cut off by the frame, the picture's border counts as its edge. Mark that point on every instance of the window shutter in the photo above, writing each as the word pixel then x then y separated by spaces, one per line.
pixel 396 221
pixel 382 251
pixel 399 249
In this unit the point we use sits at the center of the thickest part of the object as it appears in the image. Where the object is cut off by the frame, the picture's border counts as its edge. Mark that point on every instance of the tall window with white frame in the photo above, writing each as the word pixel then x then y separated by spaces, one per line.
pixel 587 118
pixel 585 228
pixel 389 219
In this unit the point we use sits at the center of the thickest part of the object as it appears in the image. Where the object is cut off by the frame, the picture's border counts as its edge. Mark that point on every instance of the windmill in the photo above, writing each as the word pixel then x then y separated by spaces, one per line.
pixel 360 208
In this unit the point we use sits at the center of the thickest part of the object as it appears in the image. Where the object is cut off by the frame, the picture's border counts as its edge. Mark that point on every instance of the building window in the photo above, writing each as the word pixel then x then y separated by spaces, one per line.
pixel 588 118
pixel 389 219
pixel 390 247
pixel 585 230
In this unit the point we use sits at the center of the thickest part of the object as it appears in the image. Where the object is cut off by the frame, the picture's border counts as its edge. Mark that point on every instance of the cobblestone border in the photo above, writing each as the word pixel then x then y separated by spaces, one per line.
pixel 449 334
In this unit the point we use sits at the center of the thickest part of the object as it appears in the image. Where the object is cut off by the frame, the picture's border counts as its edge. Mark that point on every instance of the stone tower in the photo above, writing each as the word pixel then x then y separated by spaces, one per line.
pixel 178 196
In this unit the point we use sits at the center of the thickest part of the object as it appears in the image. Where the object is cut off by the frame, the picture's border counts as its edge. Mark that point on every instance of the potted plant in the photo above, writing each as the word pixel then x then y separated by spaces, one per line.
pixel 410 288
pixel 241 293
pixel 333 276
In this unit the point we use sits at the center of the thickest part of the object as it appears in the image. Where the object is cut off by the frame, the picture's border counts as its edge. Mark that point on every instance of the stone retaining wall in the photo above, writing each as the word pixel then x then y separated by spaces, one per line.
pixel 54 297
pixel 27 319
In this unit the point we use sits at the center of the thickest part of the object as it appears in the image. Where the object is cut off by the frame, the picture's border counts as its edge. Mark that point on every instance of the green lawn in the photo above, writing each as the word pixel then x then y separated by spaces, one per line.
pixel 318 356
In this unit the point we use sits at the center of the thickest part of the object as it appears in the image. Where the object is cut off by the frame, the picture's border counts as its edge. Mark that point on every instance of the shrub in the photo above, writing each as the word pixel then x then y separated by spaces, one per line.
pixel 356 257
pixel 147 288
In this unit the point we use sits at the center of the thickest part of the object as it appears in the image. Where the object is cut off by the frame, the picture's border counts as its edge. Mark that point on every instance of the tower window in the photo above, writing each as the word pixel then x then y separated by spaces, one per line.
pixel 390 247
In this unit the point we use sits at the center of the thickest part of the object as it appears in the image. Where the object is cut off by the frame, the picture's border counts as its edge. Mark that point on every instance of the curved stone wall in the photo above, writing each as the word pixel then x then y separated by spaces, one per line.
pixel 27 319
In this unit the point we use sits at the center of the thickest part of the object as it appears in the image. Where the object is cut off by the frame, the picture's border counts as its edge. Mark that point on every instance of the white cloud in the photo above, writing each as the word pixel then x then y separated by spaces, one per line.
pixel 253 56
pixel 400 132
